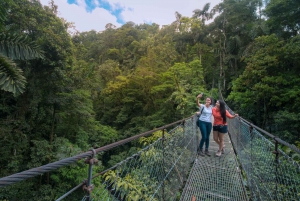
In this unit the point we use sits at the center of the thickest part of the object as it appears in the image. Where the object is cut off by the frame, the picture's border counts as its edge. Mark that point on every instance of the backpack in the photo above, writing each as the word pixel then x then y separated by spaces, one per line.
pixel 198 115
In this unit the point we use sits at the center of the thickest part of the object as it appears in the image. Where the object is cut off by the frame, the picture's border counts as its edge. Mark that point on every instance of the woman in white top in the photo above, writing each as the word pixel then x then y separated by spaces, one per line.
pixel 205 124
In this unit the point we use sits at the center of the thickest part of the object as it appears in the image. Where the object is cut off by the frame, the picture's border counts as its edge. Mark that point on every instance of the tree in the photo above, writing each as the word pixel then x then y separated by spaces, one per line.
pixel 283 17
pixel 268 86
pixel 13 46
pixel 203 14
pixel 232 31
pixel 35 121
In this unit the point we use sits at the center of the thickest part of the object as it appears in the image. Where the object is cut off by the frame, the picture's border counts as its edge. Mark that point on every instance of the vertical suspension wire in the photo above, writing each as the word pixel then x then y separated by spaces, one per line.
pixel 268 178
pixel 164 165
pixel 276 168
pixel 251 153
pixel 89 187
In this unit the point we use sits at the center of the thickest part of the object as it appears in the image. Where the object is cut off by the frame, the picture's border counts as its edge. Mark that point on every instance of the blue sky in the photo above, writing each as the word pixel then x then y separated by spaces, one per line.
pixel 91 5
pixel 95 14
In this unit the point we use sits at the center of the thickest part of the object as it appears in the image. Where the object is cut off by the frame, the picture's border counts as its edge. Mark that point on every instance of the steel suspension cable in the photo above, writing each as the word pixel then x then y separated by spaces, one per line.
pixel 5 181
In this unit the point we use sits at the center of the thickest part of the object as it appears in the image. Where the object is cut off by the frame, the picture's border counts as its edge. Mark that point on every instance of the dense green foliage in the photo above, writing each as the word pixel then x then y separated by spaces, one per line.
pixel 63 93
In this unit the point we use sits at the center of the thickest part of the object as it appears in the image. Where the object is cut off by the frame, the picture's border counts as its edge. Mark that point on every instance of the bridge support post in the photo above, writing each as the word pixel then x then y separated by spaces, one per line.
pixel 276 152
pixel 252 167
pixel 88 187
pixel 163 146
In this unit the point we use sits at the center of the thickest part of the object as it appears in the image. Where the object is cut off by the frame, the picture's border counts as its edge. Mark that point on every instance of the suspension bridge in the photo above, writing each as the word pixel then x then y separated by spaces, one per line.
pixel 252 168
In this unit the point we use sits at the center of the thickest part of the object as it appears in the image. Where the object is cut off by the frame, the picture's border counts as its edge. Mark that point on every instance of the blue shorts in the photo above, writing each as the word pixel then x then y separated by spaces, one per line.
pixel 220 128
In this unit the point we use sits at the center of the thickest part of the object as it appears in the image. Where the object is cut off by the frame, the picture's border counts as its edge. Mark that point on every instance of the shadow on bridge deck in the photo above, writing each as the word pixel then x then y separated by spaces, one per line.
pixel 215 178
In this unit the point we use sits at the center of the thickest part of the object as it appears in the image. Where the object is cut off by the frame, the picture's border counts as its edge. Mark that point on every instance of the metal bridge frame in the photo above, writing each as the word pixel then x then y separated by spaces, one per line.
pixel 90 159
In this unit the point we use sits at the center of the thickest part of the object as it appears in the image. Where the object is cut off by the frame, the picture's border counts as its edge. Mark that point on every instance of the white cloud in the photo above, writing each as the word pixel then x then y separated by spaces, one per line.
pixel 83 20
pixel 161 12
pixel 81 3
pixel 96 3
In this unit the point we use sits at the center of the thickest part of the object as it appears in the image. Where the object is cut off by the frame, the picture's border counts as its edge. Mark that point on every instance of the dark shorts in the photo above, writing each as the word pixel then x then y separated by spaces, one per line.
pixel 220 128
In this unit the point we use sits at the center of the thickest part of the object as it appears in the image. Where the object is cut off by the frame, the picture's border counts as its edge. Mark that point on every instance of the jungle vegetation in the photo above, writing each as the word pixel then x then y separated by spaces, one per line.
pixel 64 92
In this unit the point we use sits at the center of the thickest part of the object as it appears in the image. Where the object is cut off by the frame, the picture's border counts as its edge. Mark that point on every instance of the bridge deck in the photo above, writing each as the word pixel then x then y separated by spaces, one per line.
pixel 215 178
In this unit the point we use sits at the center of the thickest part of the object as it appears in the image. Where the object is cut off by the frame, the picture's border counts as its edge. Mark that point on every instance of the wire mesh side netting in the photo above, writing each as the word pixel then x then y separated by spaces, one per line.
pixel 155 173
pixel 269 177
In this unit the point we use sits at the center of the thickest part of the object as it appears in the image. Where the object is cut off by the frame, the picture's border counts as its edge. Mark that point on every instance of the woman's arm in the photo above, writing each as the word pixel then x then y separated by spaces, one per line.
pixel 230 116
pixel 197 100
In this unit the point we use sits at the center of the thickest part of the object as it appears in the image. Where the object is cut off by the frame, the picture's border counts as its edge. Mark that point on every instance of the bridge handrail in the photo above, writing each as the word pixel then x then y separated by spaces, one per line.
pixel 277 139
pixel 14 178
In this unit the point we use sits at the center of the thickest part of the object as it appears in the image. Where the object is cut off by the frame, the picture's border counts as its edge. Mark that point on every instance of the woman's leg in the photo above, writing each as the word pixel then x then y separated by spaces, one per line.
pixel 208 130
pixel 221 140
pixel 203 134
pixel 216 137
pixel 222 132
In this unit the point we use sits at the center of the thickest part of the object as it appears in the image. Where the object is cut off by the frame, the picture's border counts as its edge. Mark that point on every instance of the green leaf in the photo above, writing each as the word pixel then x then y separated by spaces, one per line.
pixel 3 11
pixel 11 78
pixel 18 47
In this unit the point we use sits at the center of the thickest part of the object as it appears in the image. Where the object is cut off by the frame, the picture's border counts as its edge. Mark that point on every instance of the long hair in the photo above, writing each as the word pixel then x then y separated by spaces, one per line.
pixel 223 111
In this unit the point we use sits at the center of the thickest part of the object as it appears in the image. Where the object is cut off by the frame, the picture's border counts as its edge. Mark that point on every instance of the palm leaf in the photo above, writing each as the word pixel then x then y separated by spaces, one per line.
pixel 18 47
pixel 204 14
pixel 2 14
pixel 11 78
pixel 3 11
pixel 197 13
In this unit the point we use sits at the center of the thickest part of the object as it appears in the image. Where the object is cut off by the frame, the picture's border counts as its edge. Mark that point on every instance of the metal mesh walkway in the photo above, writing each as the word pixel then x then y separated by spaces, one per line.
pixel 215 178
pixel 155 173
pixel 160 170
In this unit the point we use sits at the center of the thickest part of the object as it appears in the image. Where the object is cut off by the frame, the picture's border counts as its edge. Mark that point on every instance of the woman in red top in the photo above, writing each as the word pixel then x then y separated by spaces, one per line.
pixel 220 125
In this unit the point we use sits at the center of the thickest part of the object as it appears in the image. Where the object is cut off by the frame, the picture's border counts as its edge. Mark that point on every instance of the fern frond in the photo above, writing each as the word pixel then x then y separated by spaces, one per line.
pixel 18 47
pixel 2 14
pixel 3 11
pixel 11 78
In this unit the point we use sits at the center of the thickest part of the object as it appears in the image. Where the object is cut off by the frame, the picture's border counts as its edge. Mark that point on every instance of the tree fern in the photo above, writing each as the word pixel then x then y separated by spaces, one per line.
pixel 13 47
pixel 18 47
pixel 3 11
pixel 2 14
pixel 11 78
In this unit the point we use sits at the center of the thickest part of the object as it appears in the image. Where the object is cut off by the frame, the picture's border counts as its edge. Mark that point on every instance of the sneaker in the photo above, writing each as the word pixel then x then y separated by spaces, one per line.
pixel 219 153
pixel 223 150
pixel 207 153
pixel 201 153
